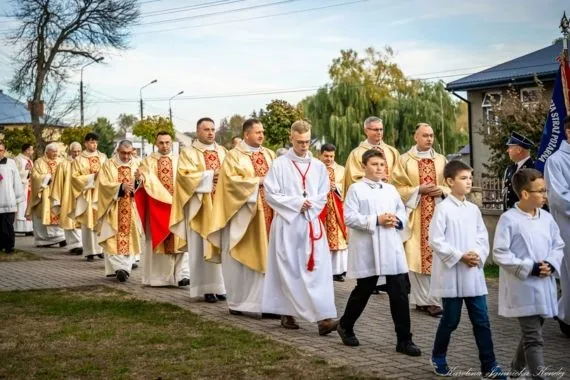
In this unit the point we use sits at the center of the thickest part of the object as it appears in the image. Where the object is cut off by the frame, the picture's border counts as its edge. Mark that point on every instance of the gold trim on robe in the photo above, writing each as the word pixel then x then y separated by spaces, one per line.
pixel 237 182
pixel 40 201
pixel 333 222
pixel 419 171
pixel 118 224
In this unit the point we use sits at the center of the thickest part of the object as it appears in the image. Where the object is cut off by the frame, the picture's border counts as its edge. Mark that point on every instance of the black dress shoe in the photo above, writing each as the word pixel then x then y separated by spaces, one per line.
pixel 210 298
pixel 62 243
pixel 100 255
pixel 565 328
pixel 184 282
pixel 221 297
pixel 29 234
pixel 348 337
pixel 135 266
pixel 235 312
pixel 270 316
pixel 122 275
pixel 9 251
pixel 408 348
pixel 338 277
pixel 90 258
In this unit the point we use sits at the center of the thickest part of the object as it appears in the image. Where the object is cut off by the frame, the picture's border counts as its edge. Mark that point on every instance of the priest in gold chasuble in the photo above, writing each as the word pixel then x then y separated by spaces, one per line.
pixel 333 214
pixel 61 201
pixel 374 131
pixel 242 220
pixel 118 224
pixel 163 263
pixel 191 215
pixel 46 224
pixel 85 170
pixel 423 168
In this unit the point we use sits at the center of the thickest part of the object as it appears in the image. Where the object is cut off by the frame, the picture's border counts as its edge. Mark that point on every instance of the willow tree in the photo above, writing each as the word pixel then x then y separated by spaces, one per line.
pixel 374 85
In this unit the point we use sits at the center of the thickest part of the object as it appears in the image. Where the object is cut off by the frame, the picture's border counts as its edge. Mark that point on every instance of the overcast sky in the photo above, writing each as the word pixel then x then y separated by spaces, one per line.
pixel 284 50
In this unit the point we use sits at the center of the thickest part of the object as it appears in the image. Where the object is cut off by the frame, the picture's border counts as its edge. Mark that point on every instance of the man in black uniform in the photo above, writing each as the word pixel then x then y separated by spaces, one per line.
pixel 518 148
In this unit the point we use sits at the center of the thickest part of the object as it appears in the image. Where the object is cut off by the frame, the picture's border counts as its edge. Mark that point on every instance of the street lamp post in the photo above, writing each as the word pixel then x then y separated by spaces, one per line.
pixel 141 109
pixel 170 105
pixel 81 87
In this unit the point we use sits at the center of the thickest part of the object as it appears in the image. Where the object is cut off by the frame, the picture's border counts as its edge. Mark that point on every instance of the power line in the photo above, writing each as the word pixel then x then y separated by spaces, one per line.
pixel 162 12
pixel 254 17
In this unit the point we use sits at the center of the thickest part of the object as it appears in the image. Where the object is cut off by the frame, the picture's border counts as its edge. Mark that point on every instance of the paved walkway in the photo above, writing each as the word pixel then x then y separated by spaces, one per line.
pixel 376 356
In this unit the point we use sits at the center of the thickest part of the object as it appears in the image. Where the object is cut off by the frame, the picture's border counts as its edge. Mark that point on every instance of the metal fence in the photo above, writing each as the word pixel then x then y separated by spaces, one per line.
pixel 491 192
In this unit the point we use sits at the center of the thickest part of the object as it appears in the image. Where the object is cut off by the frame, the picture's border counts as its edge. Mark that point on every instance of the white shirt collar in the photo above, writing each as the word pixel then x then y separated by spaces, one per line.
pixel 251 148
pixel 457 202
pixel 425 154
pixel 529 216
pixel 521 162
pixel 372 184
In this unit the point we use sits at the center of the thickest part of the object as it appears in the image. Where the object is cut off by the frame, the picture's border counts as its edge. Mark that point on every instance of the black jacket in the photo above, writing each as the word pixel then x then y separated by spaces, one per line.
pixel 509 195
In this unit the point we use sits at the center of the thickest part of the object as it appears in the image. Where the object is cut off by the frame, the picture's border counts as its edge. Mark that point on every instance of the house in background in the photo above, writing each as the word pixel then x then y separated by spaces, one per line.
pixel 15 114
pixel 488 86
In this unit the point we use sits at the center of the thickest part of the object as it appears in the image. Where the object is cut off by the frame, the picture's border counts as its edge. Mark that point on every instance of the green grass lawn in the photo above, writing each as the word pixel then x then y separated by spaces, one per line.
pixel 18 255
pixel 491 271
pixel 101 333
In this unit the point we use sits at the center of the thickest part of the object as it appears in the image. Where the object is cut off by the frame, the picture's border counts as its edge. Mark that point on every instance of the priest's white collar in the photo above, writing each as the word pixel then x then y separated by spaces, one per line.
pixel 250 148
pixel 90 154
pixel 122 163
pixel 368 143
pixel 199 145
pixel 529 216
pixel 423 154
pixel 372 184
pixel 460 203
pixel 293 157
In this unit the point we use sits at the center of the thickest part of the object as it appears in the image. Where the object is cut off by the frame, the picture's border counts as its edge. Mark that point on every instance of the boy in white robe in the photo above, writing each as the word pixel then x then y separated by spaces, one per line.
pixel 557 177
pixel 374 212
pixel 298 281
pixel 528 248
pixel 11 195
pixel 460 244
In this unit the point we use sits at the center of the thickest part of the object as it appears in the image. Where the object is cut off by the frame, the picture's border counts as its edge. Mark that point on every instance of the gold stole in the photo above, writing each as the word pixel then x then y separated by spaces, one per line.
pixel 52 165
pixel 212 161
pixel 94 164
pixel 125 215
pixel 165 175
pixel 261 167
pixel 426 168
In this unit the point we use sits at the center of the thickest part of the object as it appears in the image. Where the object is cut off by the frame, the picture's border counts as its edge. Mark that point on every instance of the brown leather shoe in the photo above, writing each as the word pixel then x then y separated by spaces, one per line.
pixel 434 311
pixel 289 323
pixel 326 326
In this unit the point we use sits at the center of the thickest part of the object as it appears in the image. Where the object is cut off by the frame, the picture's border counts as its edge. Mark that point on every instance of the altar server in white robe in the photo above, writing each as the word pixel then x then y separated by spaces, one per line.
pixel 299 281
pixel 374 212
pixel 557 176
pixel 460 244
pixel 528 248
pixel 11 194
pixel 23 224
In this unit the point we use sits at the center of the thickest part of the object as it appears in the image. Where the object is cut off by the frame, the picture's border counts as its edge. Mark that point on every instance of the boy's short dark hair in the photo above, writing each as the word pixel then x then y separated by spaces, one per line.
pixel 25 147
pixel 91 136
pixel 453 168
pixel 523 178
pixel 371 153
pixel 328 148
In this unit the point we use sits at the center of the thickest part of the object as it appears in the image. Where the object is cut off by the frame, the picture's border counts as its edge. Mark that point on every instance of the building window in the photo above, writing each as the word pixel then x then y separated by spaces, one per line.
pixel 490 99
pixel 529 96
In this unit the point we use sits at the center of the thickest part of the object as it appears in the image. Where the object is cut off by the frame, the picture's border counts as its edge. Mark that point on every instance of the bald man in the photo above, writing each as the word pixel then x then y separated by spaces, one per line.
pixel 423 187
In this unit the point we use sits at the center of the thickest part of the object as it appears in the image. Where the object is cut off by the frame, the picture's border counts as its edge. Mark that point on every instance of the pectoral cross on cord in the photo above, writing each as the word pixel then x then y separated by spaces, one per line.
pixel 312 237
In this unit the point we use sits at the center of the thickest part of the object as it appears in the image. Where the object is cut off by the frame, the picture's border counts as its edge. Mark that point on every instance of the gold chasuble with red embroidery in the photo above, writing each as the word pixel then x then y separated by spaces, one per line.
pixel 249 220
pixel 353 168
pixel 118 224
pixel 419 171
pixel 154 200
pixel 83 190
pixel 40 202
pixel 333 215
pixel 193 162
